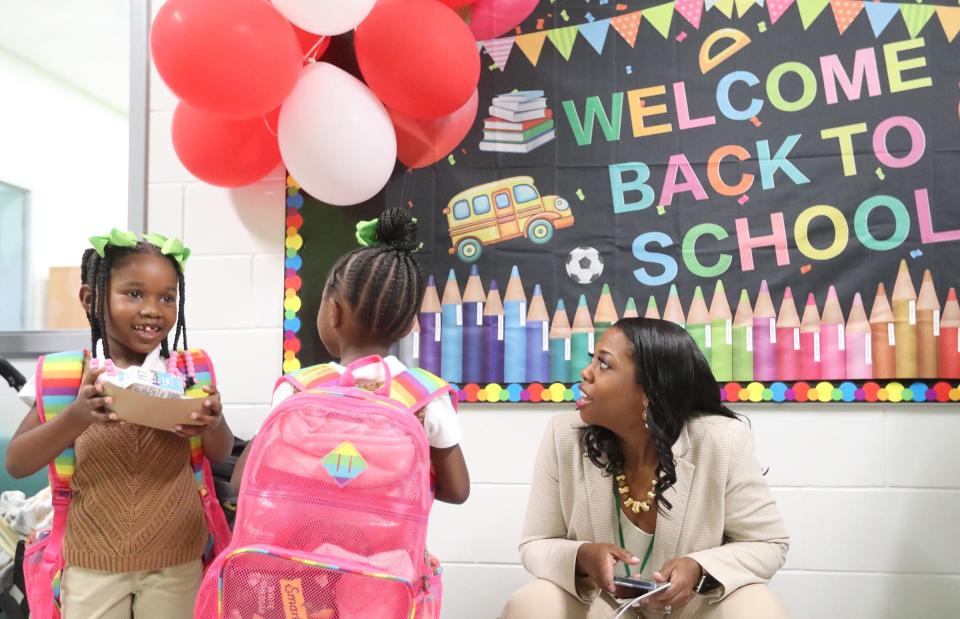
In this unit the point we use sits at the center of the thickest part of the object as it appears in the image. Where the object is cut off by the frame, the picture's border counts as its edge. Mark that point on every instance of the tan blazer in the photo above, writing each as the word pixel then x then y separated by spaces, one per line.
pixel 723 515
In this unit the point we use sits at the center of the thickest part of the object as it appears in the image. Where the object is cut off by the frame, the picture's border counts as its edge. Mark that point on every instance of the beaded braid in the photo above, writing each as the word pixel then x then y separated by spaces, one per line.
pixel 383 284
pixel 95 272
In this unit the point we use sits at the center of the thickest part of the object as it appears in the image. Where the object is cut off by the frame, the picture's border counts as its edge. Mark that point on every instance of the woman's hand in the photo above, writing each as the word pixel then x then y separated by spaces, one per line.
pixel 598 560
pixel 90 405
pixel 682 574
pixel 208 417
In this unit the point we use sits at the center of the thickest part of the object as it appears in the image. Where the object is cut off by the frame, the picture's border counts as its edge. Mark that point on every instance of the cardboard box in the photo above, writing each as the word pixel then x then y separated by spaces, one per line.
pixel 160 413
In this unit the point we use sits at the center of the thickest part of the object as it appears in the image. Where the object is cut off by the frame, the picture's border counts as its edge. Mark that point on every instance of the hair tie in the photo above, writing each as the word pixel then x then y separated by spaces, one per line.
pixel 367 232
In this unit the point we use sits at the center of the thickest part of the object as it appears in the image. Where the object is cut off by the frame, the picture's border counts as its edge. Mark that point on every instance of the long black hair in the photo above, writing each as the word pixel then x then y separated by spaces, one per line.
pixel 679 386
pixel 383 283
pixel 95 271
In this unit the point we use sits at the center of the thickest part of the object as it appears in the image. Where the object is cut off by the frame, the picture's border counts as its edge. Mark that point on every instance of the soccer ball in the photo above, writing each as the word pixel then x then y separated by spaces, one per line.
pixel 584 265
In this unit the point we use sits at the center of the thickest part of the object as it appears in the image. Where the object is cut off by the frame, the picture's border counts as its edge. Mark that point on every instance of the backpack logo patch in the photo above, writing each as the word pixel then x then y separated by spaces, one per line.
pixel 344 463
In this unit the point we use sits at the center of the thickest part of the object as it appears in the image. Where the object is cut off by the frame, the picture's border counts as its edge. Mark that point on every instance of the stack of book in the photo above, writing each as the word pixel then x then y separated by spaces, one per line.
pixel 518 123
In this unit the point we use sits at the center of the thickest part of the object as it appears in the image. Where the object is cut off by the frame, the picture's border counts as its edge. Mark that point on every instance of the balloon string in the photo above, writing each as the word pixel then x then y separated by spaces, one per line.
pixel 313 50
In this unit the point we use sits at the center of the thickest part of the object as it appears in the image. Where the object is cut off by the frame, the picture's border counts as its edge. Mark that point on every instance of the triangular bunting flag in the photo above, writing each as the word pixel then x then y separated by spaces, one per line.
pixel 916 16
pixel 692 11
pixel 725 7
pixel 950 20
pixel 845 11
pixel 743 6
pixel 531 45
pixel 776 8
pixel 708 4
pixel 596 33
pixel 499 50
pixel 562 39
pixel 627 26
pixel 880 14
pixel 660 17
pixel 810 10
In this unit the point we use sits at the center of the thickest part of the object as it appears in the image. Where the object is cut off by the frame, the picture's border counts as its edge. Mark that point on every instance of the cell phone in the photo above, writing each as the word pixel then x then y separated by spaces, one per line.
pixel 630 588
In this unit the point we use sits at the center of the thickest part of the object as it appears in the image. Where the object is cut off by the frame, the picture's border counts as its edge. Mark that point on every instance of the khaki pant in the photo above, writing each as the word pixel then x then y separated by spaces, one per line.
pixel 543 599
pixel 159 594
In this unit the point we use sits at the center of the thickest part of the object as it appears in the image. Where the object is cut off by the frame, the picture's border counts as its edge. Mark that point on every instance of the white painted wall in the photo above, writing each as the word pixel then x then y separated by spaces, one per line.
pixel 871 494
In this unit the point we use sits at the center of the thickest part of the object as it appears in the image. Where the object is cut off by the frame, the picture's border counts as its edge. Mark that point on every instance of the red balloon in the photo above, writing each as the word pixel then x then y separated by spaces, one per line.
pixel 226 153
pixel 456 4
pixel 308 40
pixel 422 142
pixel 418 57
pixel 236 58
pixel 491 18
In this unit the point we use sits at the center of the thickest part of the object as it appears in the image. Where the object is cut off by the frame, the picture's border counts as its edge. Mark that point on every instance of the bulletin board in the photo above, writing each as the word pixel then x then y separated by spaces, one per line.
pixel 779 177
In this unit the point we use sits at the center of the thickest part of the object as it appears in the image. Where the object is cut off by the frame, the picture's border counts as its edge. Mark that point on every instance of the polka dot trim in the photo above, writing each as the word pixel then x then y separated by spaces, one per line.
pixel 292 283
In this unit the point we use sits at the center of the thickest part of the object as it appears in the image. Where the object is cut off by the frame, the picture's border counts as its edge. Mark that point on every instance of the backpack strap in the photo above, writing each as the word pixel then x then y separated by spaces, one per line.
pixel 58 383
pixel 309 377
pixel 416 387
pixel 204 376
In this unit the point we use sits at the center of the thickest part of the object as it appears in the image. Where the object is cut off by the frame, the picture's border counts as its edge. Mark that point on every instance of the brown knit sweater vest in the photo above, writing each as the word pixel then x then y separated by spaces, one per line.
pixel 135 502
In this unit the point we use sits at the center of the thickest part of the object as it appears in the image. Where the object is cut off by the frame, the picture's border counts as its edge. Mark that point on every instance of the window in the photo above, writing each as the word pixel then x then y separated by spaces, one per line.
pixel 481 205
pixel 461 210
pixel 502 199
pixel 13 232
pixel 524 193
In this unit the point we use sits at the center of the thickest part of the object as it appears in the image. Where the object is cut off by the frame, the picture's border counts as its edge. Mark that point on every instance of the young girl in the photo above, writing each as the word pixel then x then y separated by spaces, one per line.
pixel 135 533
pixel 369 301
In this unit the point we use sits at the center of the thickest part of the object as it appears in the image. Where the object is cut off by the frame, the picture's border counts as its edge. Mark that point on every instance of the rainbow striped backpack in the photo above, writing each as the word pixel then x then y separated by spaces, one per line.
pixel 333 507
pixel 58 382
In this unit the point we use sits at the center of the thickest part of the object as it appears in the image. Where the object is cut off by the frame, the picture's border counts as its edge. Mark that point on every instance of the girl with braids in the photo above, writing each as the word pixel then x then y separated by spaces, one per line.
pixel 370 299
pixel 654 478
pixel 137 526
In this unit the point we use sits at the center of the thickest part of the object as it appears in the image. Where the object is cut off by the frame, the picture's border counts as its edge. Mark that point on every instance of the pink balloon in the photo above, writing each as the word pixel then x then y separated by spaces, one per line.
pixel 236 58
pixel 422 142
pixel 226 153
pixel 491 18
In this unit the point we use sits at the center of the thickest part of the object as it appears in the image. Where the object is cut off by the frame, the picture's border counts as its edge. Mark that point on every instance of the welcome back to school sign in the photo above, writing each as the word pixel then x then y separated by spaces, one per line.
pixel 780 178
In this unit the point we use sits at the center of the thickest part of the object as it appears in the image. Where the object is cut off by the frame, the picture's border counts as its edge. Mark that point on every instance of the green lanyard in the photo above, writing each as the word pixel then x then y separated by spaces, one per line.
pixel 616 511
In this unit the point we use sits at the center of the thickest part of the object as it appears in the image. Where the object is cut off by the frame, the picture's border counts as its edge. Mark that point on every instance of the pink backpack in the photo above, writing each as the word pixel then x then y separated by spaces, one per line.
pixel 58 382
pixel 333 507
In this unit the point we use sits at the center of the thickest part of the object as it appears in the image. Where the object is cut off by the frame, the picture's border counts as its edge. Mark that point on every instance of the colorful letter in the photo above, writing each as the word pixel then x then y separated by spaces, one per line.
pixel 618 186
pixel 777 239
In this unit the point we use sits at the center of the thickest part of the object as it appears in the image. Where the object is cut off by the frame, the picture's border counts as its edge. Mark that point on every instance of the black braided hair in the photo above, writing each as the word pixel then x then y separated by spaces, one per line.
pixel 383 283
pixel 679 386
pixel 95 272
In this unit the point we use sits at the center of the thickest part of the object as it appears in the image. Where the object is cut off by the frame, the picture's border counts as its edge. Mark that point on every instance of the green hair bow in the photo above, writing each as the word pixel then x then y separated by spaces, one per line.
pixel 367 232
pixel 172 247
pixel 117 238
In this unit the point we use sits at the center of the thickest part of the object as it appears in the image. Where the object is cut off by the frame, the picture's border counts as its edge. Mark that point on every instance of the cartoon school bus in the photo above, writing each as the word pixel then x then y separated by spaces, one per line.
pixel 501 210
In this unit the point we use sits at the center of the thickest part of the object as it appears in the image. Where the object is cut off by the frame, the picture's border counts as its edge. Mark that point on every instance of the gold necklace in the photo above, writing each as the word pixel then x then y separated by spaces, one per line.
pixel 629 501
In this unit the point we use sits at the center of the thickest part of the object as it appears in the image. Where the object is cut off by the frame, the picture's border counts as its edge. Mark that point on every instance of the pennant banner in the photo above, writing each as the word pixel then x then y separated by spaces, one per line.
pixel 660 18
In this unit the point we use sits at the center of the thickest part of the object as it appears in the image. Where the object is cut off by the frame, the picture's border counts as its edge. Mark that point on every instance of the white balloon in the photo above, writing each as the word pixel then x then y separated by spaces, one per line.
pixel 325 16
pixel 335 136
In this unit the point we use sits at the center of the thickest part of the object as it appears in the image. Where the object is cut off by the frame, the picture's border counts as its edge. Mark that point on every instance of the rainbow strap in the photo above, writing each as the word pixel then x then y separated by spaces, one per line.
pixel 414 388
pixel 204 377
pixel 58 383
